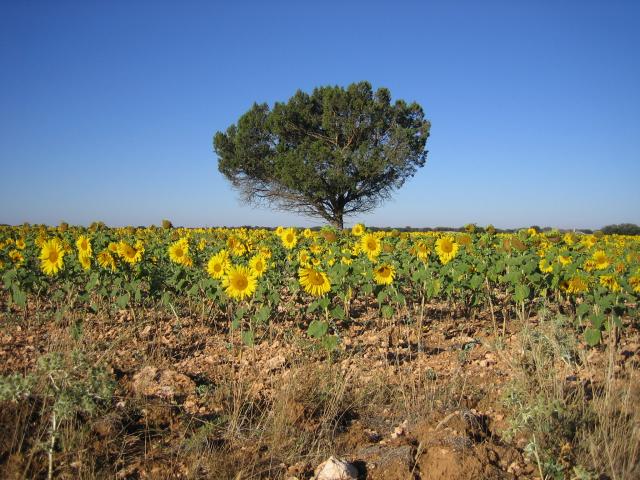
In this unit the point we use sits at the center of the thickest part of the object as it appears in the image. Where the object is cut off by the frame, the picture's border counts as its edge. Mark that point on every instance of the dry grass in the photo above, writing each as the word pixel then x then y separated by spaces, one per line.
pixel 569 427
pixel 574 428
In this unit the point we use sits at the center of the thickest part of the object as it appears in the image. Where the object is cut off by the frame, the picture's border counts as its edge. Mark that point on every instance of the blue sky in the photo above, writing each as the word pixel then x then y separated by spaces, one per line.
pixel 107 109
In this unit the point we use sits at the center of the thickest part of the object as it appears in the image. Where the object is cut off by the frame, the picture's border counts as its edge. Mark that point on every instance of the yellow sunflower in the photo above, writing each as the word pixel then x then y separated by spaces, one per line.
pixel 105 260
pixel 600 260
pixel 258 265
pixel 357 230
pixel 85 261
pixel 576 285
pixel 239 282
pixel 544 266
pixel 610 282
pixel 384 274
pixel 446 248
pixel 315 282
pixel 16 257
pixel 289 238
pixel 303 257
pixel 179 252
pixel 20 244
pixel 130 254
pixel 84 246
pixel 51 256
pixel 422 251
pixel 371 245
pixel 218 263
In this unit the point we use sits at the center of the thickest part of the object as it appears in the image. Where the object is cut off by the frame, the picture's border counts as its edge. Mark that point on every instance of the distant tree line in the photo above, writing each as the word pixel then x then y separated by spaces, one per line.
pixel 615 229
pixel 622 229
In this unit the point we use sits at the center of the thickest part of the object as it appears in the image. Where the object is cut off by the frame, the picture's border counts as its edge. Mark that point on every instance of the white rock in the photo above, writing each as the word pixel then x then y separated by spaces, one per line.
pixel 335 469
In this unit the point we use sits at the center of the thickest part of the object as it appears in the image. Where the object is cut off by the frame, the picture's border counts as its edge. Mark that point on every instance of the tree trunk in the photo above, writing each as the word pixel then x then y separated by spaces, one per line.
pixel 338 221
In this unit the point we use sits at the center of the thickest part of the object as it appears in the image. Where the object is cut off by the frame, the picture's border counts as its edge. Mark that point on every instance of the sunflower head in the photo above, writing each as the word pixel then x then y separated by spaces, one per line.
pixel 51 256
pixel 314 281
pixel 371 245
pixel 239 282
pixel 384 274
pixel 289 238
pixel 446 248
pixel 218 264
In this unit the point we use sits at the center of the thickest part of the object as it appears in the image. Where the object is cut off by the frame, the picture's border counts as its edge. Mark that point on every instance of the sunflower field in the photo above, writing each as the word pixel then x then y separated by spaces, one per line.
pixel 248 278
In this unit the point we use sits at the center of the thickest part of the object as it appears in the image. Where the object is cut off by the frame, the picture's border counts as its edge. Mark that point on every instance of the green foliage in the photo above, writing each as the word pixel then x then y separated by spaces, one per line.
pixel 622 229
pixel 329 154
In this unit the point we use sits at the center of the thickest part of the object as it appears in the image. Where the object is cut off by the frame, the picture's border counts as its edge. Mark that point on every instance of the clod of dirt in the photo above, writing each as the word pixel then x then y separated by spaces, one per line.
pixel 335 469
pixel 384 462
pixel 167 384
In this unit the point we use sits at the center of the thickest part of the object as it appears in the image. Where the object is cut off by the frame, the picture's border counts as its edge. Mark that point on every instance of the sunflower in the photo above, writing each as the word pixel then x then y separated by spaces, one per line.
pixel 634 281
pixel 307 233
pixel 105 260
pixel 51 256
pixel 218 263
pixel 609 282
pixel 346 260
pixel 85 261
pixel 16 256
pixel 20 244
pixel 384 274
pixel 239 282
pixel 569 238
pixel 304 257
pixel 564 260
pixel 446 248
pixel 589 240
pixel 130 254
pixel 236 247
pixel 576 285
pixel 422 251
pixel 315 282
pixel 258 265
pixel 289 238
pixel 600 260
pixel 84 246
pixel 179 252
pixel 544 266
pixel 357 230
pixel 113 247
pixel 371 245
pixel 315 249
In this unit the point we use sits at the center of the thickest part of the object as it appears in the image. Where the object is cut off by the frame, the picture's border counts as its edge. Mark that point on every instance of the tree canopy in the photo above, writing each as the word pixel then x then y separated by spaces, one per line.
pixel 328 154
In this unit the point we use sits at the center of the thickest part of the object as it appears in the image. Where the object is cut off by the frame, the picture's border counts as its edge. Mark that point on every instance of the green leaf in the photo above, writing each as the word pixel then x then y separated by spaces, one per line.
pixel 329 343
pixel 597 320
pixel 387 311
pixel 338 313
pixel 317 328
pixel 94 279
pixel 263 314
pixel 123 300
pixel 592 336
pixel 323 302
pixel 247 338
pixel 18 296
pixel 381 297
pixel 582 309
pixel 240 312
pixel 521 293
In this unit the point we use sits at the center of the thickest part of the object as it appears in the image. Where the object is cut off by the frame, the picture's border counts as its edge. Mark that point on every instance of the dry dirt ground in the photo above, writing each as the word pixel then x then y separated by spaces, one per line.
pixel 191 401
